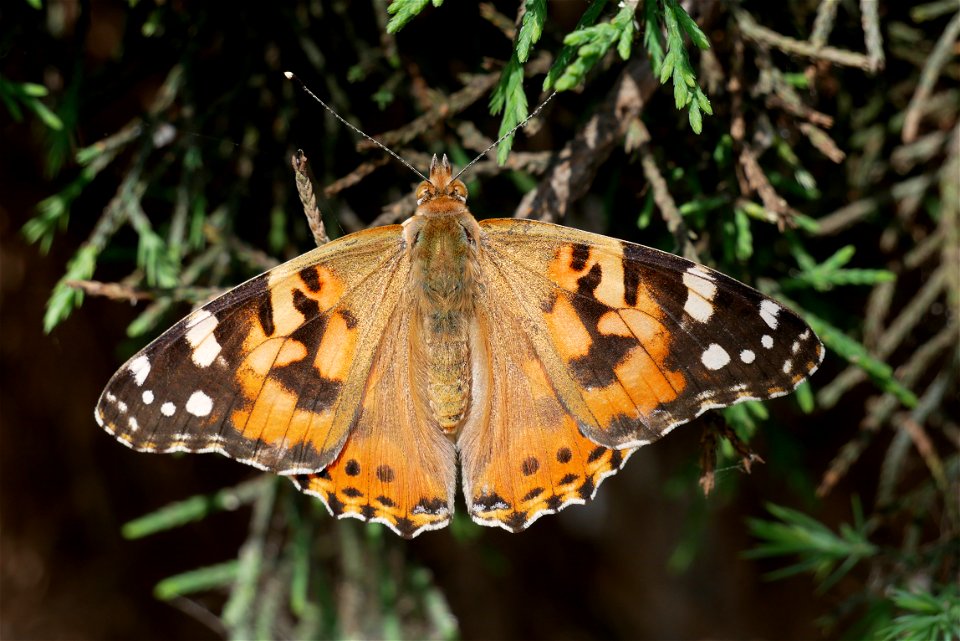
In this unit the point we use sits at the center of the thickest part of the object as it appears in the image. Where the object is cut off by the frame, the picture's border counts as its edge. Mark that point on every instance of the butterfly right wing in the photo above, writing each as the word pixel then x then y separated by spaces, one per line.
pixel 273 372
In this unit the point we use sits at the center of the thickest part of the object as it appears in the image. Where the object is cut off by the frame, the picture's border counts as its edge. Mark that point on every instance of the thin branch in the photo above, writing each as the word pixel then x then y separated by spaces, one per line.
pixel 823 23
pixel 871 33
pixel 940 55
pixel 768 37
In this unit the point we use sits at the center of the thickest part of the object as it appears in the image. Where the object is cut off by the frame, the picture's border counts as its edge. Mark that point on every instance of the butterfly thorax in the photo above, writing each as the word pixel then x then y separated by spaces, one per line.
pixel 442 239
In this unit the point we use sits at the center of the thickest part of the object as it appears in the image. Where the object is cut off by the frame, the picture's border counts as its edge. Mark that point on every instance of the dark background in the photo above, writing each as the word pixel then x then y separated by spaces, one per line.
pixel 649 558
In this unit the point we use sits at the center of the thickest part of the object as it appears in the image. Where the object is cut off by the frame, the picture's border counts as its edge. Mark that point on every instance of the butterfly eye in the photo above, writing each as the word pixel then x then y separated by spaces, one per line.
pixel 423 192
pixel 459 191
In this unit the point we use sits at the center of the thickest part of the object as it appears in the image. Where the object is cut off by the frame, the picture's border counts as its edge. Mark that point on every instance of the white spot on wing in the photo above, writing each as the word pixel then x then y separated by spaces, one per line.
pixel 699 270
pixel 787 366
pixel 747 356
pixel 121 406
pixel 199 404
pixel 147 397
pixel 168 409
pixel 700 293
pixel 714 357
pixel 767 341
pixel 795 347
pixel 206 352
pixel 132 422
pixel 140 368
pixel 200 337
pixel 768 312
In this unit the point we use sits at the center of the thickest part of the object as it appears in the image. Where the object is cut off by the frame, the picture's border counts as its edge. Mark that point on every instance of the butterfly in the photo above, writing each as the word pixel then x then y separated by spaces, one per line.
pixel 537 357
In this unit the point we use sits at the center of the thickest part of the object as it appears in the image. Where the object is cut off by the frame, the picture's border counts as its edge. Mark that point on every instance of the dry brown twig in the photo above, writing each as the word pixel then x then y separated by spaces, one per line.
pixel 361 171
pixel 113 291
pixel 764 36
pixel 940 55
pixel 308 198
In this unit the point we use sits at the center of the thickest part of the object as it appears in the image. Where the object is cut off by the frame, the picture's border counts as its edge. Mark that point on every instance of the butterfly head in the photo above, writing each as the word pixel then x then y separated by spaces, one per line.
pixel 442 193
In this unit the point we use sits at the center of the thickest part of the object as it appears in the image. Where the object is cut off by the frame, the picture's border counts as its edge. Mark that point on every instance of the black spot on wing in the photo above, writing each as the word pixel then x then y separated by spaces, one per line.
pixel 579 257
pixel 311 278
pixel 516 521
pixel 532 494
pixel 314 392
pixel 305 305
pixel 265 316
pixel 586 490
pixel 385 501
pixel 529 466
pixel 596 368
pixel 336 505
pixel 616 459
pixel 348 318
pixel 487 502
pixel 435 505
pixel 352 468
pixel 632 276
pixel 405 527
pixel 385 473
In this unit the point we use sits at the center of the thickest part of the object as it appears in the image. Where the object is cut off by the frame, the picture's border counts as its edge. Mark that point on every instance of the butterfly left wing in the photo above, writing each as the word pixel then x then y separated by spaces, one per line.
pixel 636 341
pixel 272 372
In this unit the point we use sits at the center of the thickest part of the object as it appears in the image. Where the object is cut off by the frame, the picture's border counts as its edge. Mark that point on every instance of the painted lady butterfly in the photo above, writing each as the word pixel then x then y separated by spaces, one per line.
pixel 538 356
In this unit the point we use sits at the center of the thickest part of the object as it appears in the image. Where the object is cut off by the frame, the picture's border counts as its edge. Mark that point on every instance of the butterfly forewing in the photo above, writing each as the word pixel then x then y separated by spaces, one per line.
pixel 260 374
pixel 638 341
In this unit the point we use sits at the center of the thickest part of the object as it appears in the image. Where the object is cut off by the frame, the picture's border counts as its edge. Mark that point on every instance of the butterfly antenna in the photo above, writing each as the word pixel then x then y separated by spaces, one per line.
pixel 508 134
pixel 291 76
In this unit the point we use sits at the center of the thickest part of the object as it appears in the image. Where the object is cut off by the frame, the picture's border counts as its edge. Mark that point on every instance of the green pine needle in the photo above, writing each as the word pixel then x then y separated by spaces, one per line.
pixel 198 580
pixel 821 551
pixel 196 508
pixel 567 52
pixel 508 97
pixel 593 42
pixel 531 27
pixel 403 11
pixel 927 615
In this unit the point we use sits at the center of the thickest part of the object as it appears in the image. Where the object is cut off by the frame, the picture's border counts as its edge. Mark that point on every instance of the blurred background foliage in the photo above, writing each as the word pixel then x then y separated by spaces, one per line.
pixel 809 147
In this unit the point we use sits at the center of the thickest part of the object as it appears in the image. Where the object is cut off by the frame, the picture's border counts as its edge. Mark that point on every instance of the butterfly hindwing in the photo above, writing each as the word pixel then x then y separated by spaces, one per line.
pixel 269 372
pixel 521 452
pixel 396 466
